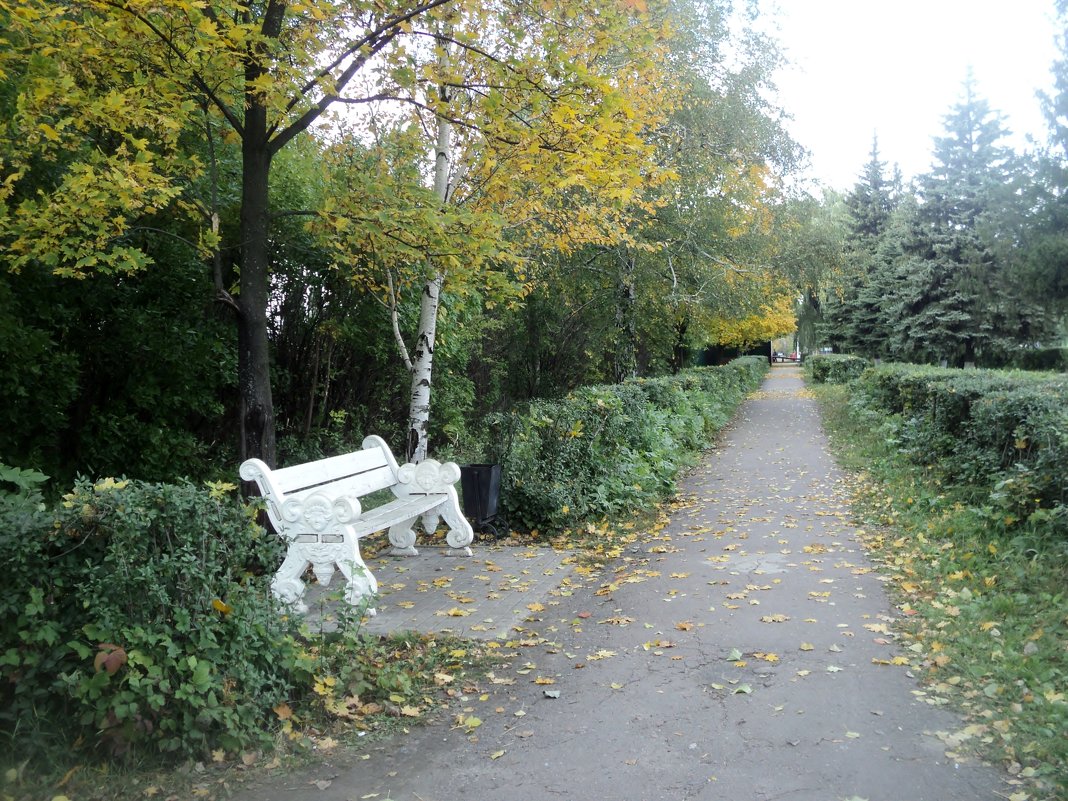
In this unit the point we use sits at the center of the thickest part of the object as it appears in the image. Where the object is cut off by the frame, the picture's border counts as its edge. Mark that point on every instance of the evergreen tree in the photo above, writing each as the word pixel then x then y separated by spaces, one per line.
pixel 1044 264
pixel 872 200
pixel 956 289
pixel 853 315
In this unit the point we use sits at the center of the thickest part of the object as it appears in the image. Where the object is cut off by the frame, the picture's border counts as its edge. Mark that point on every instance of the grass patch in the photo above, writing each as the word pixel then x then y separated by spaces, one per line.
pixel 987 615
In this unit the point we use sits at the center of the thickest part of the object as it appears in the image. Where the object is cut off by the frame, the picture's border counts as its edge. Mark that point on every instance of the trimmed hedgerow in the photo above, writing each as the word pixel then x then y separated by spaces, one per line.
pixel 835 368
pixel 1042 359
pixel 613 448
pixel 998 438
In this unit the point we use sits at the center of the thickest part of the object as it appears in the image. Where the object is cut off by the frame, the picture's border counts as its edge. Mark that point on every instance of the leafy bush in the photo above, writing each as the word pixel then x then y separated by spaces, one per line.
pixel 136 614
pixel 999 439
pixel 835 368
pixel 613 448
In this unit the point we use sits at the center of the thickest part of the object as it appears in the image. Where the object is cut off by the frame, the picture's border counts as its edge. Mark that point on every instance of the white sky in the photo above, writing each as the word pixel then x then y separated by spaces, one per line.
pixel 895 67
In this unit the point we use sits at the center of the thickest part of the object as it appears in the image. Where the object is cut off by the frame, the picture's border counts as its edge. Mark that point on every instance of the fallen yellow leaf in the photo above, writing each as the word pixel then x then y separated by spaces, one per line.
pixel 774 619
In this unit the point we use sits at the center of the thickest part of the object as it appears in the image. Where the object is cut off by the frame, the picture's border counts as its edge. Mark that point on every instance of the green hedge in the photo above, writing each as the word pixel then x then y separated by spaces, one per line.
pixel 136 617
pixel 1055 359
pixel 613 448
pixel 999 438
pixel 835 368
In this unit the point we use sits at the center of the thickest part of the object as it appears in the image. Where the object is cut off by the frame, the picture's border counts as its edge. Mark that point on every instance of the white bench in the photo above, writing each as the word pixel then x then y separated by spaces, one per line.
pixel 315 507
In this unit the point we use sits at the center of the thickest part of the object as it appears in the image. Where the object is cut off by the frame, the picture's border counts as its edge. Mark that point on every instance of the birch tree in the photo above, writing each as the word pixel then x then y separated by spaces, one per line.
pixel 538 124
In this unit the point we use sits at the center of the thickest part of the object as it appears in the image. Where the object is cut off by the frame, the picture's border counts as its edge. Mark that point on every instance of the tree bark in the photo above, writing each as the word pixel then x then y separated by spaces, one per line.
pixel 253 359
pixel 422 371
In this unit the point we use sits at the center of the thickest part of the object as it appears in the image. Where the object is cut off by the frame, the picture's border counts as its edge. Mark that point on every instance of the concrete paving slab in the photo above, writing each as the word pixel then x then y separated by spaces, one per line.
pixel 483 596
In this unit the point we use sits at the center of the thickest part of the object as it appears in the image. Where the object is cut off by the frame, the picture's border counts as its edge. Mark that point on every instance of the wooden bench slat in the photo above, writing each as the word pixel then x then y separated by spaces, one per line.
pixel 358 485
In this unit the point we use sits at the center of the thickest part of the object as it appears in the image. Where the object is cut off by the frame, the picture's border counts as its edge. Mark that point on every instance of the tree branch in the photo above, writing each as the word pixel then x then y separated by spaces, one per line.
pixel 394 320
pixel 375 41
pixel 195 76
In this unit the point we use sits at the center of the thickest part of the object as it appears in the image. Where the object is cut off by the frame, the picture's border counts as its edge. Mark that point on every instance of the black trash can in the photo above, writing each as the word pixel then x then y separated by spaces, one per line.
pixel 480 485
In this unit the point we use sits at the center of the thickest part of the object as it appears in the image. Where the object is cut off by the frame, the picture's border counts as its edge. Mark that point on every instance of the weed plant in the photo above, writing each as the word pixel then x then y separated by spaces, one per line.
pixel 985 603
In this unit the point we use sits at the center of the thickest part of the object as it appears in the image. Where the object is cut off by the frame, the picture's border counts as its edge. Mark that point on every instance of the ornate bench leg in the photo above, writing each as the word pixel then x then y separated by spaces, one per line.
pixel 287 585
pixel 460 533
pixel 402 537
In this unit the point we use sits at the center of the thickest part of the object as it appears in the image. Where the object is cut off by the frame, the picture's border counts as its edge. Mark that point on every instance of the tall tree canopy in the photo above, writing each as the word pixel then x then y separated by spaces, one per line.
pixel 135 102
pixel 579 192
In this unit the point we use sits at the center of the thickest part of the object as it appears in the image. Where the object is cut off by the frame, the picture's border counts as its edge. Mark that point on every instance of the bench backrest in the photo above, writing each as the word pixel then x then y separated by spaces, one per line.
pixel 357 473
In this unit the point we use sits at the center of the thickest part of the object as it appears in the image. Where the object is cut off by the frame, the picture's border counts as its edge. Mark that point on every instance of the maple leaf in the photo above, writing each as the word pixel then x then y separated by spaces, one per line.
pixel 684 625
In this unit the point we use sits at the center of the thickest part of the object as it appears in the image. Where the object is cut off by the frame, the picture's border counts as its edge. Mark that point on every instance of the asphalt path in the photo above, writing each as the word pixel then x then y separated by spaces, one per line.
pixel 743 649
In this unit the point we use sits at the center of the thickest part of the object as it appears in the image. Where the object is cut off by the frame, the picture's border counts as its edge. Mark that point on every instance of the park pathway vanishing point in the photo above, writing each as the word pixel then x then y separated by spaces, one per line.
pixel 740 653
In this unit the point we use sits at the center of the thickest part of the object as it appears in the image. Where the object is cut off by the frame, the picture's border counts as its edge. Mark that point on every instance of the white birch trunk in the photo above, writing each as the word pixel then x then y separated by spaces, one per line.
pixel 423 357
pixel 422 370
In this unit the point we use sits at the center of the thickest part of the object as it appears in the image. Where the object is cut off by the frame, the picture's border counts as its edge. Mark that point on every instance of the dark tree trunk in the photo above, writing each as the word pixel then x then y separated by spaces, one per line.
pixel 679 352
pixel 253 364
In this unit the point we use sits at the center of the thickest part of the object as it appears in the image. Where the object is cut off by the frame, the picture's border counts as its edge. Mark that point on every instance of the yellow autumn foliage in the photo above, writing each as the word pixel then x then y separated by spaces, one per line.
pixel 774 319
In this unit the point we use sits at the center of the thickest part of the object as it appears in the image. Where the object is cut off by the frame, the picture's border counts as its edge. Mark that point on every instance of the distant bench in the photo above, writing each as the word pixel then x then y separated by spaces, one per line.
pixel 315 507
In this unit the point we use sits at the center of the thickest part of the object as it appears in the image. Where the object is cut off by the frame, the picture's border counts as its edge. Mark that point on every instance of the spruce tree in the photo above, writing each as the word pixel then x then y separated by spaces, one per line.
pixel 956 289
pixel 853 317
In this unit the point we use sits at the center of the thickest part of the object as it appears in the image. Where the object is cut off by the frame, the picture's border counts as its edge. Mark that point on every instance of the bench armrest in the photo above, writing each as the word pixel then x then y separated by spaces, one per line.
pixel 258 471
pixel 429 477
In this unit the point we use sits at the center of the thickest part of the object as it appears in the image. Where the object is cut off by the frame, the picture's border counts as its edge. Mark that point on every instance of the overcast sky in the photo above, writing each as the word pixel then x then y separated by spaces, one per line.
pixel 895 67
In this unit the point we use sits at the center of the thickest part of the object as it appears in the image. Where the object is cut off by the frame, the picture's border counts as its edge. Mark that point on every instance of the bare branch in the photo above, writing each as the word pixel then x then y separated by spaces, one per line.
pixel 371 44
